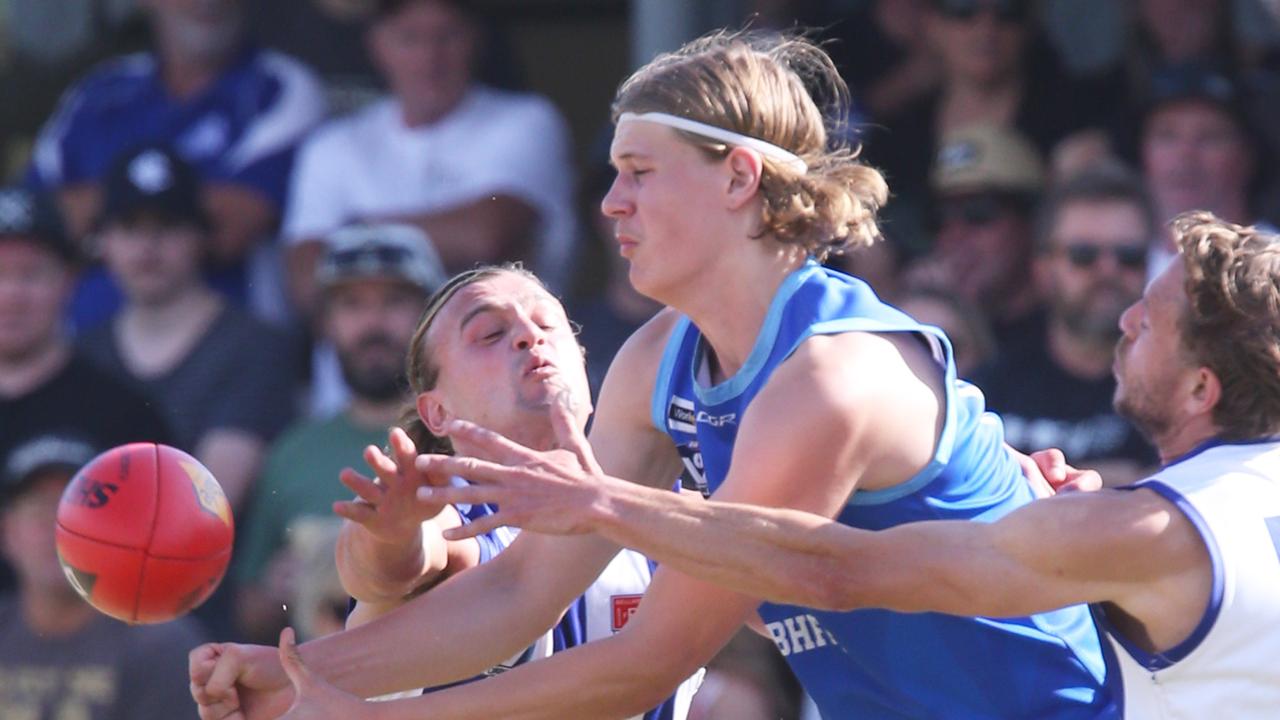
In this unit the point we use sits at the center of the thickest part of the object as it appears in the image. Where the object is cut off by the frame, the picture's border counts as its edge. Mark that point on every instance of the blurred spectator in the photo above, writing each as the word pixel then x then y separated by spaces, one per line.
pixel 1198 150
pixel 234 111
pixel 44 386
pixel 221 378
pixel 373 282
pixel 972 345
pixel 995 70
pixel 1055 388
pixel 319 603
pixel 486 173
pixel 987 179
pixel 60 658
pixel 882 54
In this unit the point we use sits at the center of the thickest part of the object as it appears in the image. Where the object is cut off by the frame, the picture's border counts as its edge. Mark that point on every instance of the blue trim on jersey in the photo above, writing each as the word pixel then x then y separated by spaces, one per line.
pixel 669 354
pixel 732 387
pixel 1217 442
pixel 1166 659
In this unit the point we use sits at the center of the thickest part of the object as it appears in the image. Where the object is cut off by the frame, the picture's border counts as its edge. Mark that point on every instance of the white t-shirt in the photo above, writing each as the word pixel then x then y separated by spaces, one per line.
pixel 370 164
pixel 1230 665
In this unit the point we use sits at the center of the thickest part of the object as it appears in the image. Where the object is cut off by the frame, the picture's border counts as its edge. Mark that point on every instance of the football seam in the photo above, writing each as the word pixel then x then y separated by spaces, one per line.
pixel 144 552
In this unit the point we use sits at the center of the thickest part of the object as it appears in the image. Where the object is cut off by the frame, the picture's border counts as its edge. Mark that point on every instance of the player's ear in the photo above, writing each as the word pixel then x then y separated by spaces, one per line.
pixel 745 169
pixel 432 410
pixel 1207 391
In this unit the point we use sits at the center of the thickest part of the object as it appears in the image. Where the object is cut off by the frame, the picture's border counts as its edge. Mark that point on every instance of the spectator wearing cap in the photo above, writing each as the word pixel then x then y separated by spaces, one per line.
pixel 1198 148
pixel 373 282
pixel 1054 389
pixel 44 385
pixel 986 180
pixel 236 112
pixel 487 174
pixel 223 379
pixel 60 658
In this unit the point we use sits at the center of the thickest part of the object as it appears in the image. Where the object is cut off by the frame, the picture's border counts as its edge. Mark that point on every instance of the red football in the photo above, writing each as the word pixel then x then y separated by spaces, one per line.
pixel 144 532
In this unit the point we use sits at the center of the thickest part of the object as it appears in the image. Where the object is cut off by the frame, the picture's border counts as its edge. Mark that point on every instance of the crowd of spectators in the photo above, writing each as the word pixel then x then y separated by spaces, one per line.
pixel 172 226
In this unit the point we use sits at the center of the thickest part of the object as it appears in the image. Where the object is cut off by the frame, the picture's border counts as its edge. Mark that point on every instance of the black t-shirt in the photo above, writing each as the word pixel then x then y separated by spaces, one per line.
pixel 1043 406
pixel 80 400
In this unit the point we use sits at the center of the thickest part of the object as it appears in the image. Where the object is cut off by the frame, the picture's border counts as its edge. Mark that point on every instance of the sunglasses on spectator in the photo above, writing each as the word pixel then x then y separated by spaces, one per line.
pixel 1131 256
pixel 1005 10
pixel 974 211
pixel 376 255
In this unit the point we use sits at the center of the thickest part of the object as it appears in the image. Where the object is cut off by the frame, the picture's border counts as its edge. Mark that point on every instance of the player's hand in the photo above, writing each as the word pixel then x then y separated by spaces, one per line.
pixel 387 506
pixel 551 492
pixel 1063 477
pixel 1048 473
pixel 314 699
pixel 238 682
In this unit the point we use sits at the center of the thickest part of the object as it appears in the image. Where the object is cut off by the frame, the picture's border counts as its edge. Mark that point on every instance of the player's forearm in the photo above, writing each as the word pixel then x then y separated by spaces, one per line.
pixel 459 629
pixel 596 681
pixel 777 555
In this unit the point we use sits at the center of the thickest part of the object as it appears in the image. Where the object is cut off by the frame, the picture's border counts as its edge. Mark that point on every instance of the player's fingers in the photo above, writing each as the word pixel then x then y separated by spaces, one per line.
pixel 487 523
pixel 355 511
pixel 364 487
pixel 383 467
pixel 201 661
pixel 1082 481
pixel 475 441
pixel 291 659
pixel 402 449
pixel 475 469
pixel 568 431
pixel 454 495
pixel 430 468
pixel 1053 464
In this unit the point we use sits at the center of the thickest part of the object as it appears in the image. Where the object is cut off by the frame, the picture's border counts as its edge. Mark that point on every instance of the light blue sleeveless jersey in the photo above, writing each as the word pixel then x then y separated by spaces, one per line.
pixel 871 664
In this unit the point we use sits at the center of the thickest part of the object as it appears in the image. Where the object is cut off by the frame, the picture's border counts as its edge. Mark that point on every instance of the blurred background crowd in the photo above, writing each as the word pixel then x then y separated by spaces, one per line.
pixel 221 219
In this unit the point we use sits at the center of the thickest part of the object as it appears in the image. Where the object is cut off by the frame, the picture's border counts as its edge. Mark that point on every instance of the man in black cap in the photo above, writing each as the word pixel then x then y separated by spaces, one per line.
pixel 44 386
pixel 222 379
pixel 60 658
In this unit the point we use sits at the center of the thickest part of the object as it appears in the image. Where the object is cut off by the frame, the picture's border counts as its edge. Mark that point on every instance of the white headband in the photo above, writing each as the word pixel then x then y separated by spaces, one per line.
pixel 712 132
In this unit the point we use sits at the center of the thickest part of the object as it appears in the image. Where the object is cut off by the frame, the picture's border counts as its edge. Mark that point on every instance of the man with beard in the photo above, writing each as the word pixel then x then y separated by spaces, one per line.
pixel 1181 568
pixel 1054 389
pixel 374 279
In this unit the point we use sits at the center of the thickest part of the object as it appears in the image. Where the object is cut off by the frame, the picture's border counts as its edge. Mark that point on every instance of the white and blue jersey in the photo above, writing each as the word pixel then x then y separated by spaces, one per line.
pixel 601 611
pixel 243 129
pixel 1228 665
pixel 876 663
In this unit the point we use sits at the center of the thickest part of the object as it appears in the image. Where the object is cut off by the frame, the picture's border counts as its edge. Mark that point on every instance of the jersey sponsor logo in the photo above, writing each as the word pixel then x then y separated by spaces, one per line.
pixel 717 420
pixel 681 416
pixel 624 606
pixel 694 477
pixel 799 633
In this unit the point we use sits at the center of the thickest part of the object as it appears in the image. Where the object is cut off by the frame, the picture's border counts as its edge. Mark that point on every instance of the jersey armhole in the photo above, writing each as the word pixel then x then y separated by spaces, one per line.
pixel 1164 660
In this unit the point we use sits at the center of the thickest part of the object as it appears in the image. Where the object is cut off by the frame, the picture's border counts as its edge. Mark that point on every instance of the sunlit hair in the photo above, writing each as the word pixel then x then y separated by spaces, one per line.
pixel 422 371
pixel 1231 323
pixel 764 85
